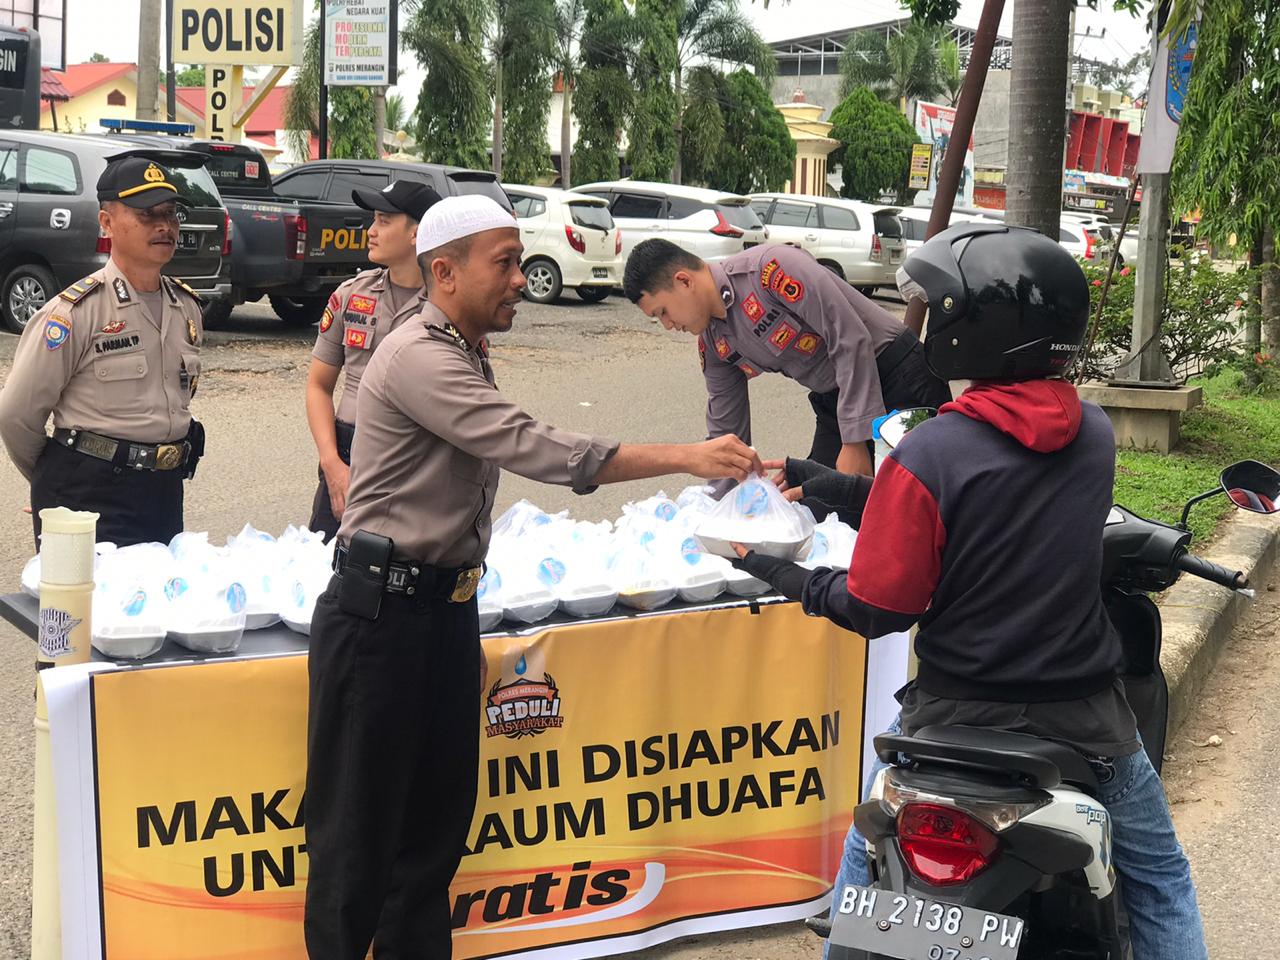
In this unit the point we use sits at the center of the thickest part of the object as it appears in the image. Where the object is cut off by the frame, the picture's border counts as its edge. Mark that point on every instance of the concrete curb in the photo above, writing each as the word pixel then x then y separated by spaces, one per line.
pixel 1199 616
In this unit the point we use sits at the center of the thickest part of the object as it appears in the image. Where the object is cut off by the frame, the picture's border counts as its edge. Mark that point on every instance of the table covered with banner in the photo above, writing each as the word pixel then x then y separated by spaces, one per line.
pixel 642 777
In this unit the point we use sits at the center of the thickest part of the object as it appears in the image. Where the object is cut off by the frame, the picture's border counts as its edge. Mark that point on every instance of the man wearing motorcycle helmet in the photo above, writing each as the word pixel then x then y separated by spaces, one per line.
pixel 984 526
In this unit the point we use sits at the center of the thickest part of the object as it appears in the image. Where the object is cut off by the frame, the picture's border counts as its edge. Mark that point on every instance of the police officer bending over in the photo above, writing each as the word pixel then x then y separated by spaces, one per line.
pixel 115 358
pixel 395 663
pixel 775 309
pixel 357 319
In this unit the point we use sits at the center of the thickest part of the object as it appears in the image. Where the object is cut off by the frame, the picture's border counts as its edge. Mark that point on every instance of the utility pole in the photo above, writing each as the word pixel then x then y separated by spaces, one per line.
pixel 148 60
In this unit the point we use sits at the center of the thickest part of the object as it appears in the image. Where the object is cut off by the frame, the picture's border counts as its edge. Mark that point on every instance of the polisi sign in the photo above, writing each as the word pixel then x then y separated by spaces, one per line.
pixel 238 32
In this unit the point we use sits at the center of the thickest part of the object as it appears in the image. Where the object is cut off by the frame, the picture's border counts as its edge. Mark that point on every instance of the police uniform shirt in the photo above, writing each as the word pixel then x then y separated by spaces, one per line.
pixel 433 433
pixel 789 314
pixel 358 317
pixel 99 359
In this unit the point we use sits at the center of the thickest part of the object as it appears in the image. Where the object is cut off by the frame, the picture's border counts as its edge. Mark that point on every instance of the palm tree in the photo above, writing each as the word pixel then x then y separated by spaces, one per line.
pixel 447 37
pixel 396 114
pixel 568 19
pixel 899 69
pixel 715 30
pixel 949 71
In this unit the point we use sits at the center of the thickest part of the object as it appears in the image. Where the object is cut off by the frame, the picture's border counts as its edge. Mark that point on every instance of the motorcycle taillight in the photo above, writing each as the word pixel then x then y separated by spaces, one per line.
pixel 944 846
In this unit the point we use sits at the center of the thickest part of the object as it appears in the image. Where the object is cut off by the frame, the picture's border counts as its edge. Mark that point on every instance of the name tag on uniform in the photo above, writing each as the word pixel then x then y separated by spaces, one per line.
pixel 358 339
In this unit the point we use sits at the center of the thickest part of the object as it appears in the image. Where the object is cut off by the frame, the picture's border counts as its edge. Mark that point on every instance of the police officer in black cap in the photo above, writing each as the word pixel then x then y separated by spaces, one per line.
pixel 115 358
pixel 358 317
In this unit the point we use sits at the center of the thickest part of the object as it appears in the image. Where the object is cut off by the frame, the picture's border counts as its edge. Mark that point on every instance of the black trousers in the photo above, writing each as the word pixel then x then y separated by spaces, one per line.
pixel 133 506
pixel 322 518
pixel 905 381
pixel 393 741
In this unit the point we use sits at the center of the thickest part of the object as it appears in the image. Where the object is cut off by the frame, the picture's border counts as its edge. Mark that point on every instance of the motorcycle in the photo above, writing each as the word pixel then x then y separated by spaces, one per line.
pixel 989 845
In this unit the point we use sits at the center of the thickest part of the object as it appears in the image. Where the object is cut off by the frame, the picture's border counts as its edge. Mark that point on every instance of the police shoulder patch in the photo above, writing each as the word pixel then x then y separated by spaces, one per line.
pixel 186 289
pixel 80 289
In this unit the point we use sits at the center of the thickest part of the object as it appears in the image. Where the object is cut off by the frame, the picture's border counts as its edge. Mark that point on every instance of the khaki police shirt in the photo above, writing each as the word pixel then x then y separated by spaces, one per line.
pixel 432 431
pixel 98 359
pixel 358 317
pixel 789 314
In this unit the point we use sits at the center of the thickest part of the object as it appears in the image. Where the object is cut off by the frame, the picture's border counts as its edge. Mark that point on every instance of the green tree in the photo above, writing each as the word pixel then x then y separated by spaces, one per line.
pixel 98 58
pixel 875 151
pixel 397 116
pixel 714 30
pixel 454 109
pixel 351 119
pixel 190 76
pixel 523 51
pixel 759 154
pixel 949 73
pixel 1227 161
pixel 902 68
pixel 651 132
pixel 604 93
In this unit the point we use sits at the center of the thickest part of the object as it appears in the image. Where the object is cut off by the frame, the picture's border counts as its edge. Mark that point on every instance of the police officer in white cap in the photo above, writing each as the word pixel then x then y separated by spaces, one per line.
pixel 395 663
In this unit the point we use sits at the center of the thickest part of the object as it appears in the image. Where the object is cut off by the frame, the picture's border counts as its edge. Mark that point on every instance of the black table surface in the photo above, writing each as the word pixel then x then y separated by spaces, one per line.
pixel 23 611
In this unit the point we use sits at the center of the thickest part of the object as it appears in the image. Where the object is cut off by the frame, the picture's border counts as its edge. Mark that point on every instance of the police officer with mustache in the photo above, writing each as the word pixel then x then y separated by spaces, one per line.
pixel 115 358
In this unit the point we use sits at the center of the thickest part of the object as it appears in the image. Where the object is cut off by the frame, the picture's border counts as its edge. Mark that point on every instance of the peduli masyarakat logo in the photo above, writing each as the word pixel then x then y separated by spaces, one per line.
pixel 524 701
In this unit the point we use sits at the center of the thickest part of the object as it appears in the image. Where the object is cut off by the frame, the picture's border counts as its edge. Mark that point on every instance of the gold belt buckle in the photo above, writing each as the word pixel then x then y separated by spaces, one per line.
pixel 465 588
pixel 168 456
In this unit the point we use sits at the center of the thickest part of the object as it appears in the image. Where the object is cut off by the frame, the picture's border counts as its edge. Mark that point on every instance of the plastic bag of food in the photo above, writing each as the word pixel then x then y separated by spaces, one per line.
pixel 130 610
pixel 523 518
pixel 643 582
pixel 207 607
pixel 489 599
pixel 258 562
pixel 513 580
pixel 757 515
pixel 833 542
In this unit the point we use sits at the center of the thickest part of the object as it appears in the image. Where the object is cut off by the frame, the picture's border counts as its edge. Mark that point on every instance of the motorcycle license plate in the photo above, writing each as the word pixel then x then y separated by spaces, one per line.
pixel 909 928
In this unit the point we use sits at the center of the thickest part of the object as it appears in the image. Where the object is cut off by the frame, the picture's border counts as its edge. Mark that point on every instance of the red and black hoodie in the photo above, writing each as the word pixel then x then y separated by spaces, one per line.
pixel 985 527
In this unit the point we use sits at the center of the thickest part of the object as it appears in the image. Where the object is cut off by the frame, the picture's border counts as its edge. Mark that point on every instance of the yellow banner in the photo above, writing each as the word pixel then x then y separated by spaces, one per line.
pixel 921 165
pixel 632 774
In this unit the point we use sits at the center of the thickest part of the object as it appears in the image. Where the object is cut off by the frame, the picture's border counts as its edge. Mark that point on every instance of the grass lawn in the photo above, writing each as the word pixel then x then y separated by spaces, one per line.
pixel 1231 425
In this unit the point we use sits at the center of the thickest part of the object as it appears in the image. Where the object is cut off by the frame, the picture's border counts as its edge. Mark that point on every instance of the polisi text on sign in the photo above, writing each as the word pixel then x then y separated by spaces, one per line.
pixel 237 31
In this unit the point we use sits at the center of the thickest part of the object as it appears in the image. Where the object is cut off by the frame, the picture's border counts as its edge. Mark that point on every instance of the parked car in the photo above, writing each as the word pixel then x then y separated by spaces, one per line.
pixel 570 240
pixel 915 224
pixel 861 243
pixel 49 235
pixel 1083 241
pixel 709 223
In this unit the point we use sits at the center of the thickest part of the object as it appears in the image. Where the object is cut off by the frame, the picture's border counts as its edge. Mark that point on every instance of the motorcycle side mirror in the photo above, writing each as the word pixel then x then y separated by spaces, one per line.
pixel 901 422
pixel 1249 484
pixel 1252 486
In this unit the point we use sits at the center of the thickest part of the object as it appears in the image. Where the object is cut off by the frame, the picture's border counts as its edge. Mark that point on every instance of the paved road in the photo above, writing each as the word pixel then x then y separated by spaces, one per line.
pixel 605 368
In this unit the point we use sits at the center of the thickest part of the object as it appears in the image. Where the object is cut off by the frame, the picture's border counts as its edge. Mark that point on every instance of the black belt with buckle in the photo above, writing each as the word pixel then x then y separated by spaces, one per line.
pixel 125 453
pixel 455 584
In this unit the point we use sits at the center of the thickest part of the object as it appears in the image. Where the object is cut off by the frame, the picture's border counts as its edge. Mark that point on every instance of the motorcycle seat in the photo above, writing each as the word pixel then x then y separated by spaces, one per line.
pixel 1031 761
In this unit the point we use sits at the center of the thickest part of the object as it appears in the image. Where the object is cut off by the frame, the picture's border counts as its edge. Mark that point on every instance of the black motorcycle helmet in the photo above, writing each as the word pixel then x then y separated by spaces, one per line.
pixel 1005 303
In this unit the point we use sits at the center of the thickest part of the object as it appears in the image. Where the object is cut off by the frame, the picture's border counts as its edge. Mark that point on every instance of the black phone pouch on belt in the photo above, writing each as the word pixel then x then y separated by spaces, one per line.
pixel 364 578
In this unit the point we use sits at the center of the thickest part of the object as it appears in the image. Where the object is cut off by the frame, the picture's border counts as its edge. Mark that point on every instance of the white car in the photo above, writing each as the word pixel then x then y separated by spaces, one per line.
pixel 915 224
pixel 859 242
pixel 708 223
pixel 569 241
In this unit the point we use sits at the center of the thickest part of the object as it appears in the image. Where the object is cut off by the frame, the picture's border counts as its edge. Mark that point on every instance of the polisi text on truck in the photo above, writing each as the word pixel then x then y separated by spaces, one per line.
pixel 261 29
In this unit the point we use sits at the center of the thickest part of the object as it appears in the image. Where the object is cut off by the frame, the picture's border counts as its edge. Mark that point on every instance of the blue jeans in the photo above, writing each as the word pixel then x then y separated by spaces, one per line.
pixel 1164 919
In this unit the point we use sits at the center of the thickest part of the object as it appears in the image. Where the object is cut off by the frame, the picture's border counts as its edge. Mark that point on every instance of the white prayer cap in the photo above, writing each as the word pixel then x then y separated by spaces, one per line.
pixel 456 217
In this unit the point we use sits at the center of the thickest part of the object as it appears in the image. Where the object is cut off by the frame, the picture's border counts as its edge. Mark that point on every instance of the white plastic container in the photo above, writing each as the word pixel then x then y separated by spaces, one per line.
pixel 588 600
pixel 528 606
pixel 205 618
pixel 648 595
pixel 703 586
pixel 743 584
